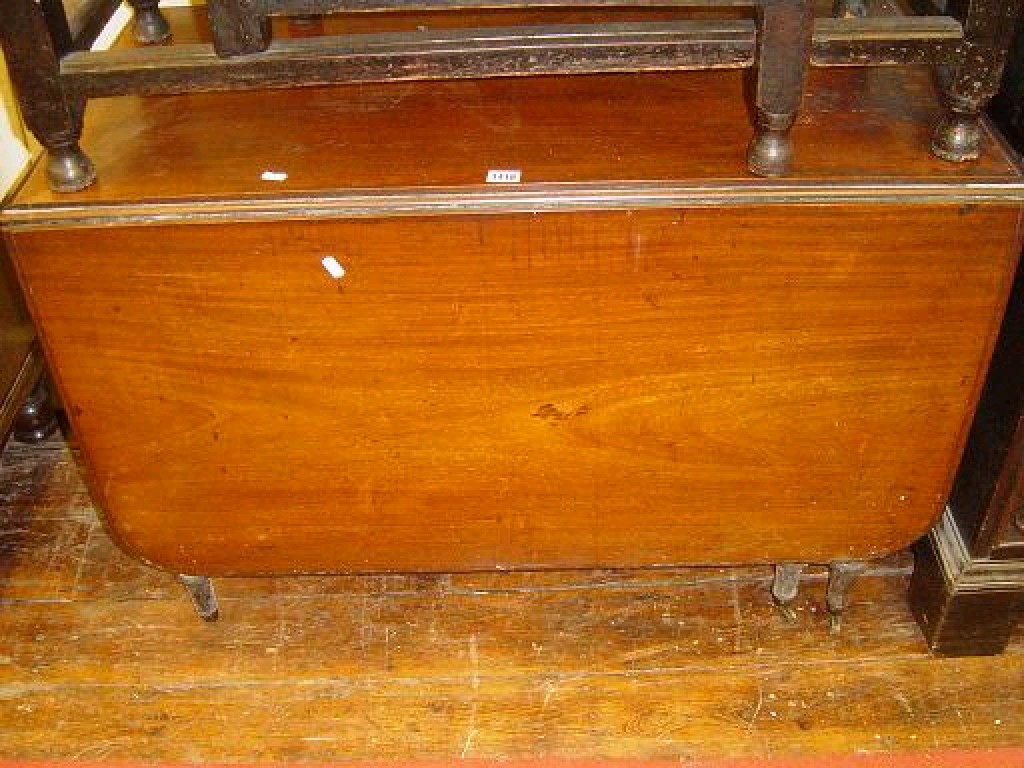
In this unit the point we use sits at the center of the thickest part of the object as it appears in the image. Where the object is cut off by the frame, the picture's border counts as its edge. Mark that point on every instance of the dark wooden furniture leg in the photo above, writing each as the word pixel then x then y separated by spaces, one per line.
pixel 841 577
pixel 972 80
pixel 786 586
pixel 850 9
pixel 783 52
pixel 200 591
pixel 150 25
pixel 967 590
pixel 235 30
pixel 51 113
pixel 36 420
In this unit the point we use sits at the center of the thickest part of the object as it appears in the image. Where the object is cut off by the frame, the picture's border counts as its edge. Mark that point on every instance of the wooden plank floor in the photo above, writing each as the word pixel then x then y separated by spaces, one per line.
pixel 102 658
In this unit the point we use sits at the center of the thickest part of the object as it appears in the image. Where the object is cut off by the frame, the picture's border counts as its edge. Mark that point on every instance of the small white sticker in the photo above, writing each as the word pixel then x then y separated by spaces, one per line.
pixel 274 176
pixel 334 269
pixel 504 177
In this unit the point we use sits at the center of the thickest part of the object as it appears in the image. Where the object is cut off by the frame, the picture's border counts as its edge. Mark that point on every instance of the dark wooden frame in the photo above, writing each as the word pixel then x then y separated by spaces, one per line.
pixel 967 590
pixel 54 73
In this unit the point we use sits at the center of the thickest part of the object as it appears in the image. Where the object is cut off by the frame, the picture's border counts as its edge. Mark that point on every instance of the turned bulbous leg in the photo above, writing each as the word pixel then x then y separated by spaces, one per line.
pixel 770 152
pixel 36 420
pixel 957 138
pixel 52 112
pixel 68 169
pixel 149 26
pixel 783 53
pixel 972 78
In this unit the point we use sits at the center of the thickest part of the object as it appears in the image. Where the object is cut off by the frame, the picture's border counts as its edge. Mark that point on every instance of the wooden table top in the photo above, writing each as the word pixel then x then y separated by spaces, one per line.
pixel 594 139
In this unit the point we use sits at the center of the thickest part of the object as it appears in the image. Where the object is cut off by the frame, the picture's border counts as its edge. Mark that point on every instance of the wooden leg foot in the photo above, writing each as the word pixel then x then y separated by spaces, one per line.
pixel 68 169
pixel 36 420
pixel 150 26
pixel 770 153
pixel 235 30
pixel 850 9
pixel 200 591
pixel 785 588
pixel 957 138
pixel 841 577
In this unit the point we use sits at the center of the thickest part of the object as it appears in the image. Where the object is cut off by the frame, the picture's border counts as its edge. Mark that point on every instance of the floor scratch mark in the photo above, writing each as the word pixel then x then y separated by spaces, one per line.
pixel 757 708
pixel 474 660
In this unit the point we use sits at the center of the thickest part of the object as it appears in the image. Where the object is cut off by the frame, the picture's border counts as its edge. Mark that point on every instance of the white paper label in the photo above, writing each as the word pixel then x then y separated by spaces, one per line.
pixel 334 269
pixel 504 177
pixel 274 176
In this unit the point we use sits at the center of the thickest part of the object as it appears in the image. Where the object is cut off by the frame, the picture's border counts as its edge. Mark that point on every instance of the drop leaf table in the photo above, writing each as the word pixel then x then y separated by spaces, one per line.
pixel 521 323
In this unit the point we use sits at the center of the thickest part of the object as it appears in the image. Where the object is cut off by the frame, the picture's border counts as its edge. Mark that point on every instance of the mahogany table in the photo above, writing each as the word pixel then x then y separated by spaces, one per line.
pixel 518 323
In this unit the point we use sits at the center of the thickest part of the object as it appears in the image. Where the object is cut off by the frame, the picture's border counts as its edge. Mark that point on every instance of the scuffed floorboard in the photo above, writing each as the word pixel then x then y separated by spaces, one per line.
pixel 102 658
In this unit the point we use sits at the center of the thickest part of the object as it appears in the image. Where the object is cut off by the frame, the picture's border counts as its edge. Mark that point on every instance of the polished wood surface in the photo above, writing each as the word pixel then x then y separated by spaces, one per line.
pixel 102 660
pixel 738 385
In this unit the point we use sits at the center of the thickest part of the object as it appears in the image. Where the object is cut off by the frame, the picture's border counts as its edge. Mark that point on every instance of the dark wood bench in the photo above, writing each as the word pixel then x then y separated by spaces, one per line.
pixel 55 73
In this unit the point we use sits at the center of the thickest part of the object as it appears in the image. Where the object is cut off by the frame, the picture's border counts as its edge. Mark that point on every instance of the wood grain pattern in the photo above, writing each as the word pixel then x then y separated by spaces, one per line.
pixel 101 658
pixel 518 389
pixel 573 390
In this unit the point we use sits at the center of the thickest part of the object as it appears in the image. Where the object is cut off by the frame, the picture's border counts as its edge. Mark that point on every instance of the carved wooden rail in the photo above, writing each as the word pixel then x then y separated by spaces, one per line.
pixel 55 73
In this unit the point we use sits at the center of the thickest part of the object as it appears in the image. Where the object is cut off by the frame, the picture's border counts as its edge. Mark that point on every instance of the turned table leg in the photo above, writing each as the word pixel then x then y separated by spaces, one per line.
pixel 235 29
pixel 150 25
pixel 973 78
pixel 52 114
pixel 841 577
pixel 786 586
pixel 36 420
pixel 783 52
pixel 204 599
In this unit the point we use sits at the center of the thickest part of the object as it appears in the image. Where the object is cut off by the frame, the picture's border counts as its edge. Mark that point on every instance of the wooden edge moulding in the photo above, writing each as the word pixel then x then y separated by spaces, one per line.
pixel 54 72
